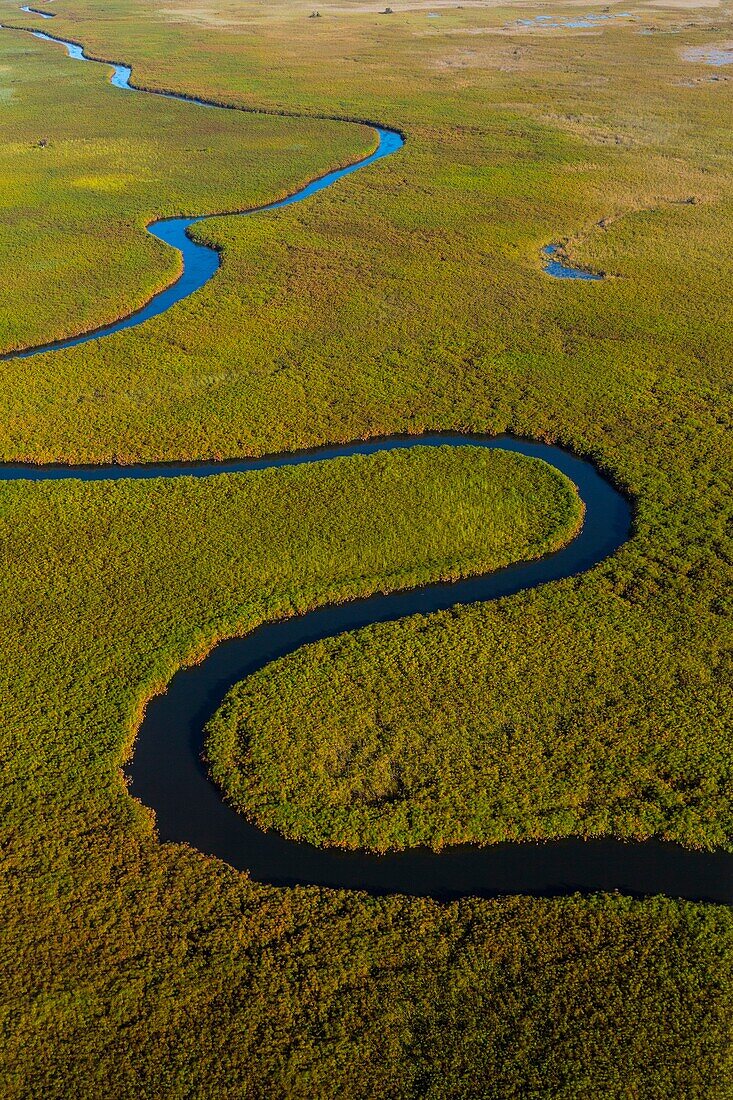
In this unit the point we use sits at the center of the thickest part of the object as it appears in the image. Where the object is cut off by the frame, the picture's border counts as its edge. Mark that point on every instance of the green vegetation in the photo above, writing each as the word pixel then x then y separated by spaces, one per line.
pixel 411 294
pixel 170 566
pixel 409 297
pixel 530 509
pixel 167 975
pixel 425 731
pixel 75 208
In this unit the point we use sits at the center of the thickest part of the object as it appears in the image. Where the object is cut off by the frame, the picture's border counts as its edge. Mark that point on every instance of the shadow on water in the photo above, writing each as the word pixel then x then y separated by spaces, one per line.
pixel 167 773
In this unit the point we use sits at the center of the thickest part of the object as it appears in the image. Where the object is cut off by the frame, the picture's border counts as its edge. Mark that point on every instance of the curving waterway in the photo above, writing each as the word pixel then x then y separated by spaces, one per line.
pixel 199 262
pixel 167 772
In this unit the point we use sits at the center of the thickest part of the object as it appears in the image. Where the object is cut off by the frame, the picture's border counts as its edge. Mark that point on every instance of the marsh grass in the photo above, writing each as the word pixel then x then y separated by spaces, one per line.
pixel 411 297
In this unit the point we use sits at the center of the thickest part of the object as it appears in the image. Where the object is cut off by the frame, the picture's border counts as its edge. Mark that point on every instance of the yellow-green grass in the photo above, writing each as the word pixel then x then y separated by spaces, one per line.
pixel 493 724
pixel 135 969
pixel 412 293
pixel 168 976
pixel 86 166
pixel 410 296
pixel 107 588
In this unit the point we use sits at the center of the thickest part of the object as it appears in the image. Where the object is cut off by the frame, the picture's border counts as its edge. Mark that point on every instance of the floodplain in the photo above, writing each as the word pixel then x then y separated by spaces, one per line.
pixel 409 298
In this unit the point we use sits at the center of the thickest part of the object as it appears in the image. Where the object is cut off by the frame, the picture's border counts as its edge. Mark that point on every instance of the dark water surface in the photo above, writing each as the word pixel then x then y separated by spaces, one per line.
pixel 166 771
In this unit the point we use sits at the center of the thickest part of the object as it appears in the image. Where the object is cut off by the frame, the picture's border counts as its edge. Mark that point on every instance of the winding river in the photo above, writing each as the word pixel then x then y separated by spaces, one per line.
pixel 167 773
pixel 199 262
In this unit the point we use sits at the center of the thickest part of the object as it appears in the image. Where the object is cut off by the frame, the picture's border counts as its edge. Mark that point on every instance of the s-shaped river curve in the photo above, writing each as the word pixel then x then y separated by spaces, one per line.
pixel 167 772
pixel 200 262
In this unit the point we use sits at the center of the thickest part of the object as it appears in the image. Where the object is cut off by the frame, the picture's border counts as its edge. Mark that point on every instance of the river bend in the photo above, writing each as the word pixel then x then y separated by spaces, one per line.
pixel 166 771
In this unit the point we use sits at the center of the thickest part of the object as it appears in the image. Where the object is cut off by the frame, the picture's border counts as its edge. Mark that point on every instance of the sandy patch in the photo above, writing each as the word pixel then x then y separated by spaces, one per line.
pixel 204 17
pixel 420 5
pixel 577 15
pixel 682 5
pixel 251 13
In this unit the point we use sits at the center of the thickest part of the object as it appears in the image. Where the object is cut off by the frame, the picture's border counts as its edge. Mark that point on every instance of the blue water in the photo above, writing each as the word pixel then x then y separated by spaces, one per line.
pixel 35 11
pixel 585 22
pixel 167 772
pixel 712 55
pixel 559 269
pixel 199 262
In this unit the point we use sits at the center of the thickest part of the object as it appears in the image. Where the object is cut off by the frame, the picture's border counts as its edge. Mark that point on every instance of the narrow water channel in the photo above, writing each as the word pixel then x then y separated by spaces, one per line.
pixel 166 771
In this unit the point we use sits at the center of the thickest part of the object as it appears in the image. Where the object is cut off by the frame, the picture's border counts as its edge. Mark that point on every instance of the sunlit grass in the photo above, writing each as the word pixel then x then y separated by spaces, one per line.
pixel 409 297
